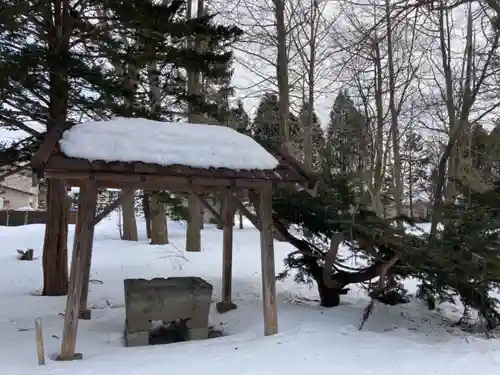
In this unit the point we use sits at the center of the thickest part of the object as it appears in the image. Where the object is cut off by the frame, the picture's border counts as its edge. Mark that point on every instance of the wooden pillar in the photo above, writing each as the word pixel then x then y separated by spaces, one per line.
pixel 227 253
pixel 81 245
pixel 85 313
pixel 267 258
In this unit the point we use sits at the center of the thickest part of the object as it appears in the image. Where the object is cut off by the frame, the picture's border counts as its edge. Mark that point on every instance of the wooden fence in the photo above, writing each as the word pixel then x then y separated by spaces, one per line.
pixel 13 218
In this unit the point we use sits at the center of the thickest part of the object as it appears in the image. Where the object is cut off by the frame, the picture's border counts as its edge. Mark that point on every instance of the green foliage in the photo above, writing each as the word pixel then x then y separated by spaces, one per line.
pixel 465 261
pixel 348 135
pixel 266 124
pixel 317 136
pixel 238 119
pixel 31 64
pixel 175 206
pixel 415 166
pixel 164 49
pixel 462 262
pixel 106 67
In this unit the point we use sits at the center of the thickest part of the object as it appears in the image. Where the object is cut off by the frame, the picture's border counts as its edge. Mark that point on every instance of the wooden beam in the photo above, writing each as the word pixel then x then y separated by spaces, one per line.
pixel 181 189
pixel 82 243
pixel 87 257
pixel 107 210
pixel 227 253
pixel 158 182
pixel 174 184
pixel 251 217
pixel 267 258
pixel 212 210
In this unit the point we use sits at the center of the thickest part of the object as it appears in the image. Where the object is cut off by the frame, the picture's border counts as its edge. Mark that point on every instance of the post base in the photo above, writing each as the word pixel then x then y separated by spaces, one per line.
pixel 74 357
pixel 85 314
pixel 223 307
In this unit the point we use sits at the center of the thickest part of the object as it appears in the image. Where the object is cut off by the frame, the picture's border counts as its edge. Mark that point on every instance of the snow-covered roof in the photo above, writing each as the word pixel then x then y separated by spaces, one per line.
pixel 26 208
pixel 20 183
pixel 166 144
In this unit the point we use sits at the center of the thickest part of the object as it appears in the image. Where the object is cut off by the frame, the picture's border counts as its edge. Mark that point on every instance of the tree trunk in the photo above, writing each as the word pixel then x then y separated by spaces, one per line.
pixel 129 223
pixel 328 297
pixel 282 69
pixel 159 229
pixel 311 76
pixel 147 214
pixel 55 246
pixel 59 25
pixel 375 185
pixel 193 232
pixel 398 180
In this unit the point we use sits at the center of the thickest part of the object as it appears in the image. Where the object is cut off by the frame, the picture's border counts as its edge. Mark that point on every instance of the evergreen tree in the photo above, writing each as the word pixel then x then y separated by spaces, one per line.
pixel 50 76
pixel 317 136
pixel 348 135
pixel 48 79
pixel 462 263
pixel 239 119
pixel 161 56
pixel 165 55
pixel 415 164
pixel 266 124
pixel 492 154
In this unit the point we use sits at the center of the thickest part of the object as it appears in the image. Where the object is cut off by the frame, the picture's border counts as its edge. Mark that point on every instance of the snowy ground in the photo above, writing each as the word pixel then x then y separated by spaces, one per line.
pixel 406 339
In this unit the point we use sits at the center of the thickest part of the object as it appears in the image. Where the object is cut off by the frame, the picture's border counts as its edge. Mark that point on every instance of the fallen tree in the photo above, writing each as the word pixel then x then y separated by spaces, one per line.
pixel 461 265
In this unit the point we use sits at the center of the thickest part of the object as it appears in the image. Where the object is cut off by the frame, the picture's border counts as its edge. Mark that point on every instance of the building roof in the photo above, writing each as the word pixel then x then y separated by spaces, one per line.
pixel 4 185
pixel 140 153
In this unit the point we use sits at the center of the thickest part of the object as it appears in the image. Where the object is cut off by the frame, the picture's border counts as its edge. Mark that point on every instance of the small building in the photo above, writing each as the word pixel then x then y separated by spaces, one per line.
pixel 16 191
pixel 420 209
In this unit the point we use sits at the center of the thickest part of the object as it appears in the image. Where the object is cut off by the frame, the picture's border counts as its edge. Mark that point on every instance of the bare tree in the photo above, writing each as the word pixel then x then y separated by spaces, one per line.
pixel 310 40
pixel 380 63
pixel 265 51
pixel 463 93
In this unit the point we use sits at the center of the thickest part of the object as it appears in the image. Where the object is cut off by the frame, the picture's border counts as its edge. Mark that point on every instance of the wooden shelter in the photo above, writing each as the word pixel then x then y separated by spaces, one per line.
pixel 53 163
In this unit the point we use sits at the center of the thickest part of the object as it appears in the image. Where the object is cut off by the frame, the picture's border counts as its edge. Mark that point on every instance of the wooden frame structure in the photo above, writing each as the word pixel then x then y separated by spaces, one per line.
pixel 89 176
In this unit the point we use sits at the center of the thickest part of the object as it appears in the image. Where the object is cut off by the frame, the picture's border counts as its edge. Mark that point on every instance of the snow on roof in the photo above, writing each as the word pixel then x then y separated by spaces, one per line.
pixel 26 208
pixel 165 143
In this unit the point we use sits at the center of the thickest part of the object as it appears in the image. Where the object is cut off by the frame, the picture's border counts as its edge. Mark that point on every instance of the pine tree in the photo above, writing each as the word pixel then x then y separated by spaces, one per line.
pixel 266 124
pixel 347 134
pixel 317 135
pixel 163 57
pixel 415 163
pixel 163 32
pixel 49 79
pixel 238 119
pixel 462 264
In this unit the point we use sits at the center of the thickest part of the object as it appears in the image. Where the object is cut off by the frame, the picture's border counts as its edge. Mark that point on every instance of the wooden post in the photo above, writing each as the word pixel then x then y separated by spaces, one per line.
pixel 227 253
pixel 87 203
pixel 39 342
pixel 193 231
pixel 267 258
pixel 84 312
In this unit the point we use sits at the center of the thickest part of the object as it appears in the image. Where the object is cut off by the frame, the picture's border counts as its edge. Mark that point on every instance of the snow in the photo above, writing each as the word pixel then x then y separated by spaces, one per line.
pixel 26 208
pixel 165 143
pixel 406 339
